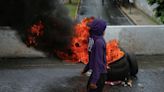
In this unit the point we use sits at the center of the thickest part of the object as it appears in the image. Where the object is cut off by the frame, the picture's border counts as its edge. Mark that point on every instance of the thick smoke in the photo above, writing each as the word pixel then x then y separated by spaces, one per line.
pixel 22 14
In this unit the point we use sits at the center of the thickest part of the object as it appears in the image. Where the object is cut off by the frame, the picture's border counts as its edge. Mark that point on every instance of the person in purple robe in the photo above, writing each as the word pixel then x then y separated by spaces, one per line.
pixel 97 56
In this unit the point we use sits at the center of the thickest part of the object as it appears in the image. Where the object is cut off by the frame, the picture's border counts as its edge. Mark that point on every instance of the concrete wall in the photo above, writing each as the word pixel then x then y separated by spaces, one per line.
pixel 11 46
pixel 146 40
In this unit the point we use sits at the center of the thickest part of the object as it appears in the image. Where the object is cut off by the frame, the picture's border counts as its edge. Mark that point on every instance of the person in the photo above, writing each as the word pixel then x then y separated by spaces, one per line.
pixel 97 56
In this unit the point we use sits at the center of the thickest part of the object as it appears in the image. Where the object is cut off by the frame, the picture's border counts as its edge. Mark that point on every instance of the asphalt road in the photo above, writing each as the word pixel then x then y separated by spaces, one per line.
pixel 52 75
pixel 109 12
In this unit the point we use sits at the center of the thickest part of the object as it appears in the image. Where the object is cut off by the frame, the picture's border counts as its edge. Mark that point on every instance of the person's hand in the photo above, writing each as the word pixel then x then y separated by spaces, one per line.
pixel 92 86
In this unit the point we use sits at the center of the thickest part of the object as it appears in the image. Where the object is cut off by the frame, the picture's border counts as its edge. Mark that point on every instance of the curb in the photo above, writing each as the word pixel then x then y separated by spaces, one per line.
pixel 120 8
pixel 29 63
pixel 77 9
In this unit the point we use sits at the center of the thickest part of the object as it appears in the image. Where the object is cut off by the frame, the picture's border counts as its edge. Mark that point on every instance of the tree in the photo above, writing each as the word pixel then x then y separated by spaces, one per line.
pixel 159 9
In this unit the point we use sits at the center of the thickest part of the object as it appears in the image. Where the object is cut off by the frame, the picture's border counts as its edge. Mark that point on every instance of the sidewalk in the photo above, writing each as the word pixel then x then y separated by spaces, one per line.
pixel 138 17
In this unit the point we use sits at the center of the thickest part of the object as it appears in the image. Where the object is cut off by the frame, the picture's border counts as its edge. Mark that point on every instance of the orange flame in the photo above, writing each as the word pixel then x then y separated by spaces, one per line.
pixel 113 52
pixel 79 43
pixel 79 46
pixel 34 33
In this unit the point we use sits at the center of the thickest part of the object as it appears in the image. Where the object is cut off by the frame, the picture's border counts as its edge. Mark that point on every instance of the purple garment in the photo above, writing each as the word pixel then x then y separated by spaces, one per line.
pixel 97 58
pixel 97 27
pixel 97 50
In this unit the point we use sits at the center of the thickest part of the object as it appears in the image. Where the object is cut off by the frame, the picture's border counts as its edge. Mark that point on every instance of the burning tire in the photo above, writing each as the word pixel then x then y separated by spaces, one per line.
pixel 132 64
pixel 119 70
pixel 123 68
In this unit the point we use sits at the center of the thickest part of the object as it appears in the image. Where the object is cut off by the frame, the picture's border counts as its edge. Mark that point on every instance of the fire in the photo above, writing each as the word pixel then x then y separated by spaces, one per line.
pixel 79 46
pixel 80 41
pixel 78 51
pixel 113 52
pixel 35 32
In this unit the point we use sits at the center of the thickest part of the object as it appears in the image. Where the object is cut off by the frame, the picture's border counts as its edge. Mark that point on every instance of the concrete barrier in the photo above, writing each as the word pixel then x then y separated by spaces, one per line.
pixel 11 46
pixel 147 40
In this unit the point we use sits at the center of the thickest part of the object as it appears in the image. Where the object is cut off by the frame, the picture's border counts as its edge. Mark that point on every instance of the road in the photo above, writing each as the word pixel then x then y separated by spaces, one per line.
pixel 52 75
pixel 109 12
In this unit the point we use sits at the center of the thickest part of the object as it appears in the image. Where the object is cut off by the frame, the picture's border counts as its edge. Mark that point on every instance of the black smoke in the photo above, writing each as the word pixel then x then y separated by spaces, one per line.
pixel 22 14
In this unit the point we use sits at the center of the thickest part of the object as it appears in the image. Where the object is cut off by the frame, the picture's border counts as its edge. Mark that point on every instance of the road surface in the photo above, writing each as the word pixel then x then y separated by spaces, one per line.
pixel 52 75
pixel 109 12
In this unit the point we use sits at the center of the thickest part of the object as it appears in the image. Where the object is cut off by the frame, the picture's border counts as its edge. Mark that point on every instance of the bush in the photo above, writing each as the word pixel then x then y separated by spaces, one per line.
pixel 159 9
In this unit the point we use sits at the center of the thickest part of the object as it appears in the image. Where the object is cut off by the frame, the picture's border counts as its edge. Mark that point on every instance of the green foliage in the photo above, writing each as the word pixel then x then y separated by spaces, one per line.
pixel 73 1
pixel 160 9
pixel 72 10
pixel 72 7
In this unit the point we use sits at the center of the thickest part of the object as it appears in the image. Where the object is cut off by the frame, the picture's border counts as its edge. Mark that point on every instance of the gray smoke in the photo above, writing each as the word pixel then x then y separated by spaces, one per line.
pixel 22 14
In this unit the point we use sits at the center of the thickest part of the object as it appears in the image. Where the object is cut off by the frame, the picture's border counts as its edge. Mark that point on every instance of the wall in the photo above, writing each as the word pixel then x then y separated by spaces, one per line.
pixel 11 46
pixel 147 40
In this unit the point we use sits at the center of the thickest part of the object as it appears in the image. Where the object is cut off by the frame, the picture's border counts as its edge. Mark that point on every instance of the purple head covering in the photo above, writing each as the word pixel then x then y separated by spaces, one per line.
pixel 97 27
